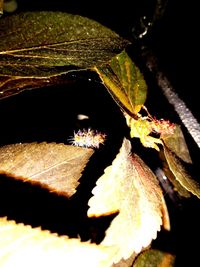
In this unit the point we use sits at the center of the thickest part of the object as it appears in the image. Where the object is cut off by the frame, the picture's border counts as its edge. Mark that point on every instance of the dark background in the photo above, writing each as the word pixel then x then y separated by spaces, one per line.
pixel 43 114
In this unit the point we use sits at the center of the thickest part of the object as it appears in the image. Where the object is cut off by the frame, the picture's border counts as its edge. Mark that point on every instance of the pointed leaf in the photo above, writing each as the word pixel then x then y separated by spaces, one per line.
pixel 41 45
pixel 129 187
pixel 131 79
pixel 170 178
pixel 180 173
pixel 176 143
pixel 57 167
pixel 124 82
pixel 155 258
pixel 24 246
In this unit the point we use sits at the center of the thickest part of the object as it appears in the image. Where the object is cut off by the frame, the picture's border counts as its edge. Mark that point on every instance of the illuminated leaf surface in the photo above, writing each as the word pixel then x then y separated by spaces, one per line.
pixel 41 45
pixel 24 246
pixel 155 258
pixel 57 167
pixel 168 133
pixel 141 128
pixel 124 82
pixel 129 187
pixel 181 175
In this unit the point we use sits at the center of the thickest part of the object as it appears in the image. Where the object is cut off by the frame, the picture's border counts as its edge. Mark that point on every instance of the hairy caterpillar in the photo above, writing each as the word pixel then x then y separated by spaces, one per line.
pixel 88 138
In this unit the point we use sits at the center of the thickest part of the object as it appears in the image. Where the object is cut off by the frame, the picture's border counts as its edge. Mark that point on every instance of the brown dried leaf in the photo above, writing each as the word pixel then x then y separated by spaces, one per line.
pixel 57 167
pixel 24 246
pixel 130 187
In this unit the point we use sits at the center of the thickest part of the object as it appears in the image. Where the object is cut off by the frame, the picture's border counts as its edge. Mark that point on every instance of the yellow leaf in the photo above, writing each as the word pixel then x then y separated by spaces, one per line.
pixel 131 79
pixel 57 167
pixel 141 128
pixel 24 246
pixel 129 187
pixel 124 82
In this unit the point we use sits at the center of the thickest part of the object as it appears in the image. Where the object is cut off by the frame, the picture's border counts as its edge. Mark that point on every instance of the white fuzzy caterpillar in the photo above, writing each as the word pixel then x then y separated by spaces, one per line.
pixel 88 138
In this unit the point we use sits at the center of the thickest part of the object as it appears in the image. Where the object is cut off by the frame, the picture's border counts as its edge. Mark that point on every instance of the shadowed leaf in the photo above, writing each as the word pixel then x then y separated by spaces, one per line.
pixel 129 187
pixel 176 143
pixel 41 45
pixel 13 85
pixel 155 258
pixel 24 246
pixel 1 7
pixel 57 167
pixel 124 82
pixel 170 185
pixel 168 175
pixel 180 173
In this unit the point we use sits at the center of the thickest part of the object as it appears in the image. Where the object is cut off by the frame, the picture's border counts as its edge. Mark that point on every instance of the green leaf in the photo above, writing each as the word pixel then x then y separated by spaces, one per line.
pixel 155 258
pixel 41 45
pixel 124 82
pixel 176 143
pixel 169 183
pixel 180 173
